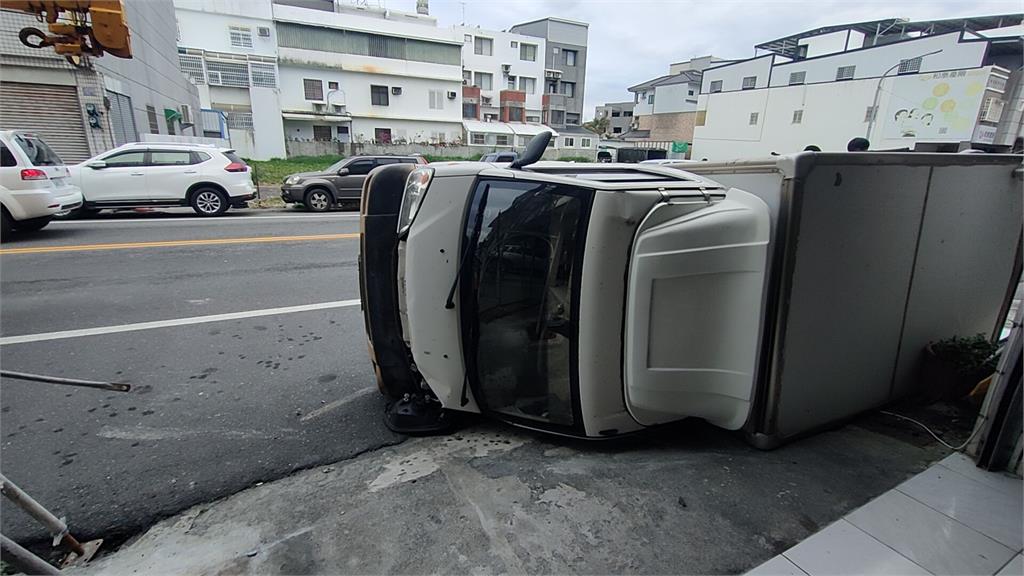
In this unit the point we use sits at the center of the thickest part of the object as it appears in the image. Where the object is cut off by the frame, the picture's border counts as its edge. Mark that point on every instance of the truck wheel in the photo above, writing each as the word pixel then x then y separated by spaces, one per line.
pixel 209 202
pixel 317 200
pixel 6 224
pixel 32 224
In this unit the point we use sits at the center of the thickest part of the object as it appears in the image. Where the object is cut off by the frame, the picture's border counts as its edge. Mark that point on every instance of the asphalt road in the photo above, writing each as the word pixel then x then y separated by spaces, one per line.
pixel 216 406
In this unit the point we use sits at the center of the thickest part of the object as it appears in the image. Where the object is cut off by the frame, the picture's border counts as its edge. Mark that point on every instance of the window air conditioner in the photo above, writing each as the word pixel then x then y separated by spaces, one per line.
pixel 506 68
pixel 263 31
pixel 452 94
pixel 396 90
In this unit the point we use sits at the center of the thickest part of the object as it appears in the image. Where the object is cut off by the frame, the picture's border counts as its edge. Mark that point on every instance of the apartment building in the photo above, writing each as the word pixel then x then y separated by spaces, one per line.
pixel 619 115
pixel 85 111
pixel 940 85
pixel 565 68
pixel 665 108
pixel 500 65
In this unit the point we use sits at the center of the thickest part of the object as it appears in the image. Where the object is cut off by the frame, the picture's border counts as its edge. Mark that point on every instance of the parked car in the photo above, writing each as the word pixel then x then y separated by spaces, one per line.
pixel 340 184
pixel 506 157
pixel 34 182
pixel 604 156
pixel 207 178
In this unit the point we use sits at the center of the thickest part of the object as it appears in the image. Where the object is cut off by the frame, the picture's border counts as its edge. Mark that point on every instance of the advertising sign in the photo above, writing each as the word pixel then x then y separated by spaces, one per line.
pixel 939 106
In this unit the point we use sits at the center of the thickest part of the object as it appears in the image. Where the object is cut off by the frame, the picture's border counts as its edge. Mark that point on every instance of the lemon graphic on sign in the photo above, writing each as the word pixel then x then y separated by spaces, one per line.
pixel 930 103
pixel 974 89
pixel 948 105
pixel 941 90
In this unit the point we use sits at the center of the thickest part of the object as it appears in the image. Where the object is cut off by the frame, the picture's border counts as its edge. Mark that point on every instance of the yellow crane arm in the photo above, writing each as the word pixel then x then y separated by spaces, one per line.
pixel 76 27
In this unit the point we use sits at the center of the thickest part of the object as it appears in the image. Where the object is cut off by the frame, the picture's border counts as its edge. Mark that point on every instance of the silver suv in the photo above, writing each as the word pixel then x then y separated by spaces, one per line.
pixel 340 184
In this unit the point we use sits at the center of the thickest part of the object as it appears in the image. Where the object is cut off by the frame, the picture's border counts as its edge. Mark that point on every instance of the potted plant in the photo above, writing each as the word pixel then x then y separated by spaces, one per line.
pixel 954 366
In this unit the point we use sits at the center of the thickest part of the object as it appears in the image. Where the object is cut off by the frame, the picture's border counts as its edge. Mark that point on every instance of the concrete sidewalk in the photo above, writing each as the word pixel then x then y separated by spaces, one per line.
pixel 682 499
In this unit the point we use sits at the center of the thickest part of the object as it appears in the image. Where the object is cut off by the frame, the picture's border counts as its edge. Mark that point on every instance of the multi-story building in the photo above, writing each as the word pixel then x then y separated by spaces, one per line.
pixel 665 108
pixel 619 115
pixel 941 85
pixel 85 111
pixel 565 68
pixel 500 64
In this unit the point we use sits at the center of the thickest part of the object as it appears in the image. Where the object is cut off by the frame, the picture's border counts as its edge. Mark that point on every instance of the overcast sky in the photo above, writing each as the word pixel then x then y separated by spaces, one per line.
pixel 634 40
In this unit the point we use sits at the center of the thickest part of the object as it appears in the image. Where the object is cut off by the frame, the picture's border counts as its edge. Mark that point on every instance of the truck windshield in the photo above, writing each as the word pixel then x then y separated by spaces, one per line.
pixel 519 299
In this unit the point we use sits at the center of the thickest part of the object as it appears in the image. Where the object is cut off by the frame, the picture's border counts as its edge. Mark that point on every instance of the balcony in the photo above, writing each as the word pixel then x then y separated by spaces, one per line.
pixel 554 101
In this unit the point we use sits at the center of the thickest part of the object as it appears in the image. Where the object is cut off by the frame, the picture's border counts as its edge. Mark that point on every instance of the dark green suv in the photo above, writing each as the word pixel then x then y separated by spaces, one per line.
pixel 340 184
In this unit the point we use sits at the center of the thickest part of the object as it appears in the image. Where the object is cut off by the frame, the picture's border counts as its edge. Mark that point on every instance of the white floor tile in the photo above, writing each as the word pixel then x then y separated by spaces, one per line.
pixel 961 464
pixel 843 549
pixel 993 512
pixel 778 566
pixel 1014 568
pixel 931 539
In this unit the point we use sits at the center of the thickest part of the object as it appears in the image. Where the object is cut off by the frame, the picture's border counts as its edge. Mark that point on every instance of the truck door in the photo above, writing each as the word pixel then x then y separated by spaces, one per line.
pixel 694 307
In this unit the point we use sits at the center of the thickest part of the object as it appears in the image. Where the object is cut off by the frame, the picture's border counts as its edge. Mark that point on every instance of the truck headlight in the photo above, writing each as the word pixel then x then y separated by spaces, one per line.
pixel 415 189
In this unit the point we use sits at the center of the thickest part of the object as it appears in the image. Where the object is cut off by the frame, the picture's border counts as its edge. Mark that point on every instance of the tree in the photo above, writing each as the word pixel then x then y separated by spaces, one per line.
pixel 598 125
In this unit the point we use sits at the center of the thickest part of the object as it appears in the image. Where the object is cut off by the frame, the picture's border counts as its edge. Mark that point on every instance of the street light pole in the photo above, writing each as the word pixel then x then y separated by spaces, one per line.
pixel 878 90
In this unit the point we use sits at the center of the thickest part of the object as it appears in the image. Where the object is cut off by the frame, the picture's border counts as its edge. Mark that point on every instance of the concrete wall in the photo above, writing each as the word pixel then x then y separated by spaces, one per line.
pixel 672 98
pixel 200 27
pixel 677 126
pixel 296 148
pixel 732 75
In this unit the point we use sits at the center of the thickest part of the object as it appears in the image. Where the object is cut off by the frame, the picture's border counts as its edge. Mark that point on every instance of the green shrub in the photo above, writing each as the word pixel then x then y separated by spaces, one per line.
pixel 970 355
pixel 275 170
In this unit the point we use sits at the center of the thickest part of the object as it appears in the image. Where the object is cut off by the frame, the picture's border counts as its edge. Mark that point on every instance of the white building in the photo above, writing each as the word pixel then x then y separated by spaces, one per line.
pixel 229 50
pixel 497 61
pixel 940 85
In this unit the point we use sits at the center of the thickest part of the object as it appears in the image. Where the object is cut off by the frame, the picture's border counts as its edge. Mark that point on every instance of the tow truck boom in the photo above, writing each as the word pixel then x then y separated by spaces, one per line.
pixel 76 28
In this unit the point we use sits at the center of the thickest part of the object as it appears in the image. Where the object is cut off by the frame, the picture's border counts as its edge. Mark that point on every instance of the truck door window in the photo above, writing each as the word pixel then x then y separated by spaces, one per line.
pixel 524 264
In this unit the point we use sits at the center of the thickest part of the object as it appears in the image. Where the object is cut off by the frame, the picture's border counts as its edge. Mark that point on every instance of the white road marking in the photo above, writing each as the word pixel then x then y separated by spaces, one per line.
pixel 150 433
pixel 42 337
pixel 337 403
pixel 222 220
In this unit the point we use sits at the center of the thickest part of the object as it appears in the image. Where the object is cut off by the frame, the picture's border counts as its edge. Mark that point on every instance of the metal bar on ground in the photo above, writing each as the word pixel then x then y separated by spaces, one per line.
pixel 23 559
pixel 112 386
pixel 58 529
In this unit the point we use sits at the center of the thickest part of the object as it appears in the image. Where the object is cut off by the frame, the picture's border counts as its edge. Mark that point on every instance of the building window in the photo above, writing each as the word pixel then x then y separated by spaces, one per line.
pixel 313 89
pixel 380 46
pixel 467 77
pixel 263 75
pixel 557 116
pixel 554 50
pixel 627 113
pixel 490 117
pixel 845 72
pixel 510 82
pixel 616 130
pixel 523 140
pixel 568 142
pixel 716 86
pixel 569 89
pixel 241 36
pixel 616 113
pixel 436 99
pixel 192 66
pixel 514 44
pixel 528 52
pixel 515 114
pixel 870 113
pixel 798 116
pixel 469 110
pixel 797 77
pixel 321 39
pixel 482 80
pixel 468 38
pixel 342 131
pixel 753 118
pixel 570 57
pixel 332 85
pixel 572 118
pixel 584 142
pixel 154 125
pixel 689 92
pixel 528 85
pixel 223 73
pixel 533 119
pixel 650 100
pixel 379 95
pixel 552 87
pixel 321 133
pixel 749 82
pixel 502 140
pixel 912 66
pixel 476 138
pixel 382 135
pixel 483 46
pixel 239 120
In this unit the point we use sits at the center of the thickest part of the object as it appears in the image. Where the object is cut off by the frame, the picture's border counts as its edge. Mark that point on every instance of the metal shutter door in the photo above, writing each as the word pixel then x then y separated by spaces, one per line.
pixel 122 119
pixel 51 111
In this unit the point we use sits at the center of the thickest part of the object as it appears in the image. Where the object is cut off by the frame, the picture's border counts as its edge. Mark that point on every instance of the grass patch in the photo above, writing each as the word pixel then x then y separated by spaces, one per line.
pixel 275 170
pixel 575 159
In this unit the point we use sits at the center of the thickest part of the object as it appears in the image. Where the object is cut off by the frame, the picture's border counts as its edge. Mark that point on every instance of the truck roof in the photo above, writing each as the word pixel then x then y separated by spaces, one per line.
pixel 602 176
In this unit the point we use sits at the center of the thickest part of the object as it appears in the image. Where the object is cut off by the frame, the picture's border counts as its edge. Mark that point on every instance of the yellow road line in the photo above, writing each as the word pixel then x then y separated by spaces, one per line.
pixel 175 243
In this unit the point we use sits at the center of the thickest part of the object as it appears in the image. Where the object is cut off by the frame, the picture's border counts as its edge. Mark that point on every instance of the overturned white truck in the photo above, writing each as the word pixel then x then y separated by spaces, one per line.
pixel 594 300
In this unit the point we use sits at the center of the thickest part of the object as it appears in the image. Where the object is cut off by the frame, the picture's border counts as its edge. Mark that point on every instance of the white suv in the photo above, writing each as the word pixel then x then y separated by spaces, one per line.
pixel 208 179
pixel 34 183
